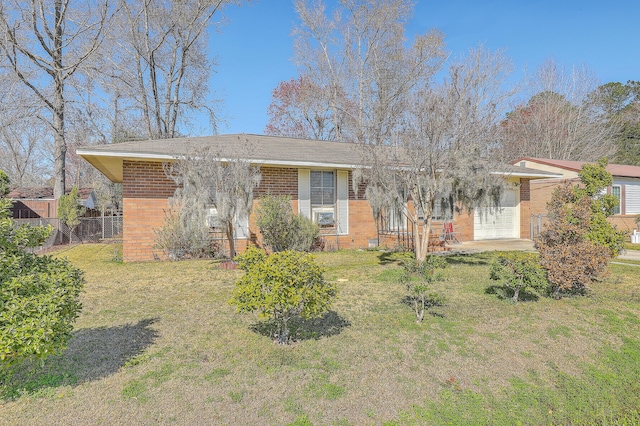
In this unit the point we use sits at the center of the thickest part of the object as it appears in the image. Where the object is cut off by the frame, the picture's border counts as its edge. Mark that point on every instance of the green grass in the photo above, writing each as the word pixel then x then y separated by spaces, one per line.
pixel 158 343
pixel 629 246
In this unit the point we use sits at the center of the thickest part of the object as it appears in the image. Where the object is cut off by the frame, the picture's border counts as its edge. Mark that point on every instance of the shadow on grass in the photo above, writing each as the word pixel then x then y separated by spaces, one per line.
pixel 329 324
pixel 433 301
pixel 394 257
pixel 483 258
pixel 505 293
pixel 92 353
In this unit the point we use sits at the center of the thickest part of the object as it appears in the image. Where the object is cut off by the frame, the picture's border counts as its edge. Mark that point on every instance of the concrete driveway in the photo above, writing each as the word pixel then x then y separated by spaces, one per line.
pixel 493 245
pixel 517 244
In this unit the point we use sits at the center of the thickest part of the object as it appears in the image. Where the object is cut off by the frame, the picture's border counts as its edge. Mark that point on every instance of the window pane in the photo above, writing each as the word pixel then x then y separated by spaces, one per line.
pixel 327 196
pixel 316 195
pixel 316 179
pixel 327 179
pixel 616 192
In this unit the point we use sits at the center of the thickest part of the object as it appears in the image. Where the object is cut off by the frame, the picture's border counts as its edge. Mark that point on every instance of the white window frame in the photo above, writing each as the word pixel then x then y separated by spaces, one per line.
pixel 240 224
pixel 318 210
pixel 617 209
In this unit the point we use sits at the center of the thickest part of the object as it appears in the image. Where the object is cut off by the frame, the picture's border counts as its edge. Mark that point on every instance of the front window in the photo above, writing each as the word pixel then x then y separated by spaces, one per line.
pixel 616 191
pixel 441 210
pixel 323 197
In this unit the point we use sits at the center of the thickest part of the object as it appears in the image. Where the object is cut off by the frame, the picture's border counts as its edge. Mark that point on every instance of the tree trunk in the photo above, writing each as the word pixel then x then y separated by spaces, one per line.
pixel 516 294
pixel 232 242
pixel 422 240
pixel 60 145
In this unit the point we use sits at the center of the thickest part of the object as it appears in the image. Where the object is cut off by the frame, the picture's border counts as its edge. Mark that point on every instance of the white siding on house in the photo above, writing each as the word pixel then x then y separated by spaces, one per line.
pixel 631 196
pixel 630 193
pixel 343 202
pixel 304 193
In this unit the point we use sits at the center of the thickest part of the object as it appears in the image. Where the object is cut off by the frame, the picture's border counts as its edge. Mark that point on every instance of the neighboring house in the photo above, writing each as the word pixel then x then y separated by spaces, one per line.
pixel 35 203
pixel 626 187
pixel 317 175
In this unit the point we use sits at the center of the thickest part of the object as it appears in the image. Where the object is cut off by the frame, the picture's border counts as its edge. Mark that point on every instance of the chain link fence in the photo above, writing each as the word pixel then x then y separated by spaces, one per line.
pixel 90 230
pixel 536 223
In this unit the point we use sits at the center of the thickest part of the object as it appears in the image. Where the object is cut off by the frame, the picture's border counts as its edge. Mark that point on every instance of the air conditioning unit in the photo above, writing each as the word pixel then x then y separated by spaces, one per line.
pixel 325 217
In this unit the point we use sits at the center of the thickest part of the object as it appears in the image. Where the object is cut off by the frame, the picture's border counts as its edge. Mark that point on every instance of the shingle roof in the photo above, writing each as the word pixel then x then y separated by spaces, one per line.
pixel 620 170
pixel 267 150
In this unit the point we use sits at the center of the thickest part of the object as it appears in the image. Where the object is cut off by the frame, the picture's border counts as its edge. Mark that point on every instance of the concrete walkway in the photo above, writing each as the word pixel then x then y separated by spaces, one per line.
pixel 630 255
pixel 517 244
pixel 493 245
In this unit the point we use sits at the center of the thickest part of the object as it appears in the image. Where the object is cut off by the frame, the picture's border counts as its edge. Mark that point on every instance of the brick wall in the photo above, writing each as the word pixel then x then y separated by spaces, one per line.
pixel 542 190
pixel 140 217
pixel 278 181
pixel 525 208
pixel 145 193
pixel 464 225
pixel 362 186
pixel 146 190
pixel 145 179
pixel 540 194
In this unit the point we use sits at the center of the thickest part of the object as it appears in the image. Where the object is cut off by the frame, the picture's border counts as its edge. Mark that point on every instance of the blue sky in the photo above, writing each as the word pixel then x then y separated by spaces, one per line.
pixel 254 50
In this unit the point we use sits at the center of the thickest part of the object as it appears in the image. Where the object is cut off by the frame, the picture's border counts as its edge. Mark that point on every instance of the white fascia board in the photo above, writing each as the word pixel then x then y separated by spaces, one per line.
pixel 305 164
pixel 525 175
pixel 143 156
pixel 167 157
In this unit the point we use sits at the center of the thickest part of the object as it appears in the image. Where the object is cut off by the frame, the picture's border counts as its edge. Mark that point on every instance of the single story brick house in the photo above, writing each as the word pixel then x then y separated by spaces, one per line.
pixel 301 169
pixel 626 187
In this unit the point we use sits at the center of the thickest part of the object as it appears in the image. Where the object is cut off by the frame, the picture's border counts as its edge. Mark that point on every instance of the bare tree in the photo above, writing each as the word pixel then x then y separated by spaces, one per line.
pixel 423 143
pixel 441 156
pixel 44 43
pixel 207 180
pixel 360 52
pixel 158 67
pixel 300 109
pixel 21 153
pixel 560 120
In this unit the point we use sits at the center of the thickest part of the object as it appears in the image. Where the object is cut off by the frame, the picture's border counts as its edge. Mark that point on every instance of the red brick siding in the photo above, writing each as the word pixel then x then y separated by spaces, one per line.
pixel 525 208
pixel 141 217
pixel 278 181
pixel 464 225
pixel 145 190
pixel 362 186
pixel 541 192
pixel 145 179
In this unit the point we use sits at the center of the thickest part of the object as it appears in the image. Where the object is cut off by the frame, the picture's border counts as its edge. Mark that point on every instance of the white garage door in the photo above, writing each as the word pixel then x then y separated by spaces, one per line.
pixel 497 223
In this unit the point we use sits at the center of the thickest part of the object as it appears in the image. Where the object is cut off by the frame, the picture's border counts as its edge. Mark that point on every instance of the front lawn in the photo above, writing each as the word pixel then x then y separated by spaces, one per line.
pixel 158 343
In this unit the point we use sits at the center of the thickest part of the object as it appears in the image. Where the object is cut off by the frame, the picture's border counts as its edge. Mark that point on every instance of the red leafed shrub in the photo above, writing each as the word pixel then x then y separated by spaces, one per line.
pixel 571 259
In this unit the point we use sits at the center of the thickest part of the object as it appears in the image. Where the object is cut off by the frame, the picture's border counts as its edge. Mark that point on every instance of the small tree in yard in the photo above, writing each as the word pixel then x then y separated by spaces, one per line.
pixel 282 286
pixel 281 229
pixel 39 295
pixel 418 277
pixel 518 271
pixel 208 181
pixel 70 210
pixel 577 243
